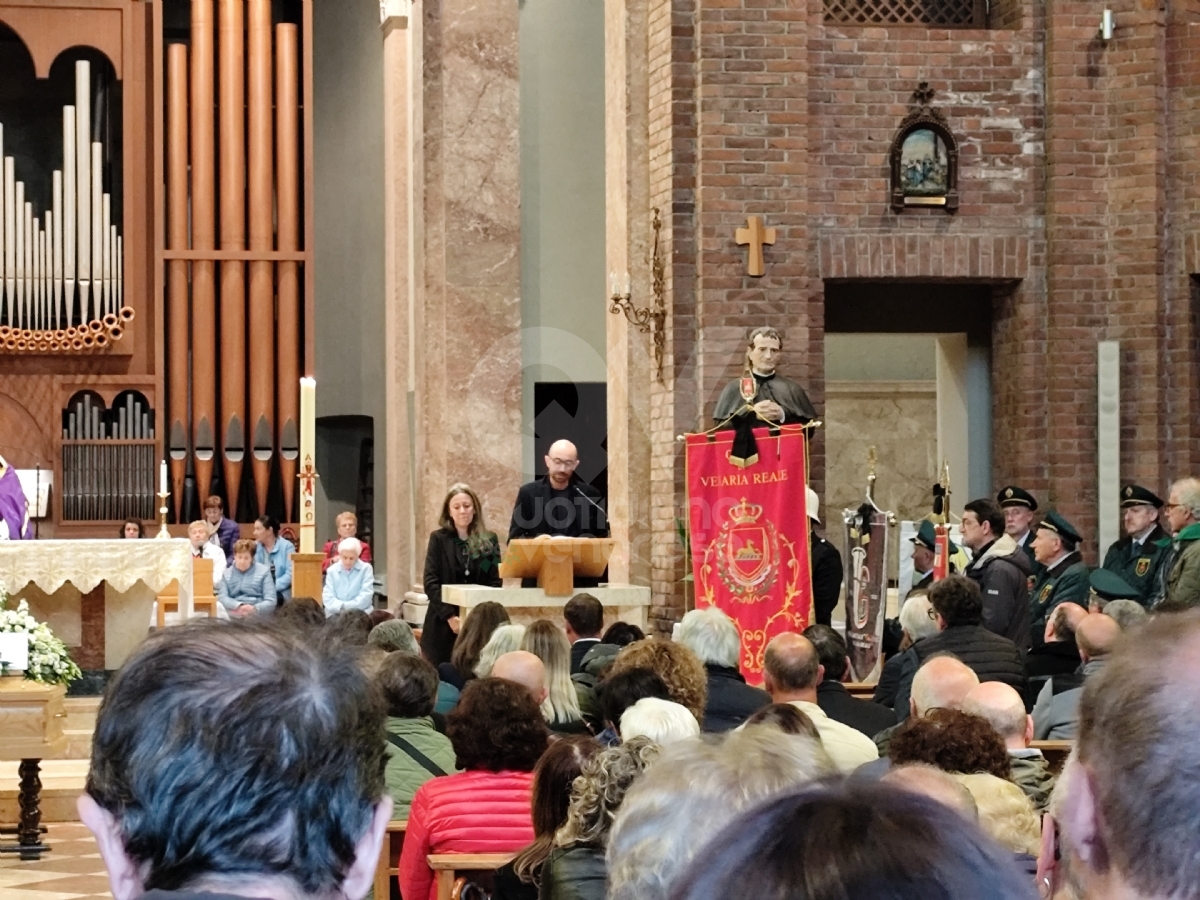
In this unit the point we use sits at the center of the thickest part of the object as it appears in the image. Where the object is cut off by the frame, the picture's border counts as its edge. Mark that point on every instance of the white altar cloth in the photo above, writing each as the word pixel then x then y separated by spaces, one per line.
pixel 50 575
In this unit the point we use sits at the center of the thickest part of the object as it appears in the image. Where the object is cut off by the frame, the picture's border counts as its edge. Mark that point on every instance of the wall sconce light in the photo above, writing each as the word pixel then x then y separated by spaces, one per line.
pixel 1106 26
pixel 647 320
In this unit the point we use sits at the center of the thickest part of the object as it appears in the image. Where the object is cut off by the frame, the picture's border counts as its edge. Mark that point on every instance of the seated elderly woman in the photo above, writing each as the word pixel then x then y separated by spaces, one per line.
pixel 505 639
pixel 498 736
pixel 575 868
pixel 416 752
pixel 662 721
pixel 247 587
pixel 350 584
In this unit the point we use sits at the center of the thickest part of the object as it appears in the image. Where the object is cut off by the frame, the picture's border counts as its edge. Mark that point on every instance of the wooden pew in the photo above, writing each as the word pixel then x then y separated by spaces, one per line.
pixel 448 869
pixel 860 689
pixel 1056 752
pixel 389 858
pixel 203 597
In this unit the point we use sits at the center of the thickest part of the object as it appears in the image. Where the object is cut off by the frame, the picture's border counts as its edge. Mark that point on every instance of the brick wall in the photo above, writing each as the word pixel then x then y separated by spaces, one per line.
pixel 1080 205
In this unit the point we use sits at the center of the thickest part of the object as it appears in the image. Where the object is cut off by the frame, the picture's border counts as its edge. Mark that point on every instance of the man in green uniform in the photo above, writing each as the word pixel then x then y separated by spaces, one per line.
pixel 1137 557
pixel 924 550
pixel 1065 576
pixel 1019 506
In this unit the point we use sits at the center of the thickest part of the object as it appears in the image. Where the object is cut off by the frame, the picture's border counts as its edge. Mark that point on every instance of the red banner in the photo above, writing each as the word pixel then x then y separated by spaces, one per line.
pixel 749 536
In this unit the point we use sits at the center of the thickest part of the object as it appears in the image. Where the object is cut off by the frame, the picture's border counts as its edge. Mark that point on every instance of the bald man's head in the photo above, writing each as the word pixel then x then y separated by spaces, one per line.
pixel 561 461
pixel 1095 635
pixel 1004 709
pixel 942 683
pixel 791 667
pixel 1063 621
pixel 525 669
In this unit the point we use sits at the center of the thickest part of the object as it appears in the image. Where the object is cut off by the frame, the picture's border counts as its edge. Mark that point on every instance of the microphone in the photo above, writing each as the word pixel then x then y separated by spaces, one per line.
pixel 600 508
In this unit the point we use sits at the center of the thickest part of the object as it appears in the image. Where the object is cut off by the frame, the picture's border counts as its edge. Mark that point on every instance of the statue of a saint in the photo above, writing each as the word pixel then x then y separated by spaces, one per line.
pixel 775 398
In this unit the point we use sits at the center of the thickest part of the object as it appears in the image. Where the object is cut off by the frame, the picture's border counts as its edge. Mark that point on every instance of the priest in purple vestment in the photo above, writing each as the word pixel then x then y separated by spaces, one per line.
pixel 15 524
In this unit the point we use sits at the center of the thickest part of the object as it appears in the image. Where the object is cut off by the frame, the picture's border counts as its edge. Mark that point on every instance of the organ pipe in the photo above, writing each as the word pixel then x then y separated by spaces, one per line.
pixel 232 100
pixel 287 144
pixel 180 427
pixel 262 305
pixel 204 313
pixel 57 265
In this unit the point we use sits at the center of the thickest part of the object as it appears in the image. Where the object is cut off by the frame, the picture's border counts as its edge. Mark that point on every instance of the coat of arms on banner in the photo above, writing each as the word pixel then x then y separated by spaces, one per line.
pixel 748 530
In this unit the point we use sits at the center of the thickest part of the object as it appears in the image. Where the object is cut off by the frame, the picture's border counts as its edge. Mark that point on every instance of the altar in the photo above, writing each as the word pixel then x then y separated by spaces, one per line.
pixel 97 596
pixel 621 602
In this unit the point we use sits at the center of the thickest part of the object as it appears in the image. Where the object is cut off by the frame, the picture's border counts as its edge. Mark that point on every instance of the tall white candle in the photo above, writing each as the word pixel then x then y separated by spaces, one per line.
pixel 162 477
pixel 308 464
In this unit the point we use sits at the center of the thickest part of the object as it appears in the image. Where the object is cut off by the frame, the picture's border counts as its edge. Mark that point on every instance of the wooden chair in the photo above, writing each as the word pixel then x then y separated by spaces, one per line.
pixel 389 858
pixel 1056 752
pixel 448 866
pixel 203 597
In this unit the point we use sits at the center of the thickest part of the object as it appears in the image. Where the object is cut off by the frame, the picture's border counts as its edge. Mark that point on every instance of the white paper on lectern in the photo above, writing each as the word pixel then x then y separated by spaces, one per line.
pixel 14 651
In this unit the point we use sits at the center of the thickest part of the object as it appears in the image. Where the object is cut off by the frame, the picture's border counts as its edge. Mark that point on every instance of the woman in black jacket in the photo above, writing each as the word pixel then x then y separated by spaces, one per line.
pixel 461 551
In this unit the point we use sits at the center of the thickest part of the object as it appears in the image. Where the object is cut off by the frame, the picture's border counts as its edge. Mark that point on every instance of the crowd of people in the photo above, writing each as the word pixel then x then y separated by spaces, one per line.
pixel 265 756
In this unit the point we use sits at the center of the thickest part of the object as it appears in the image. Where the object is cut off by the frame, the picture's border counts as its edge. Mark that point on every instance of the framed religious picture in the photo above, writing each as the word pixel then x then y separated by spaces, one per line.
pixel 924 158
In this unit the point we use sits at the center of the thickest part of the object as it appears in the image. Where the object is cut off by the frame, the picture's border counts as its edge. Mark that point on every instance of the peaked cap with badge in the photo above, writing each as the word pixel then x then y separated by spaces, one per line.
pixel 1139 563
pixel 1065 582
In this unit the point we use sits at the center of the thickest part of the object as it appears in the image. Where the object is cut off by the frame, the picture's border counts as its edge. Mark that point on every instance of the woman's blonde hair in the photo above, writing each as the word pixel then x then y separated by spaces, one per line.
pixel 598 791
pixel 1005 813
pixel 544 640
pixel 479 539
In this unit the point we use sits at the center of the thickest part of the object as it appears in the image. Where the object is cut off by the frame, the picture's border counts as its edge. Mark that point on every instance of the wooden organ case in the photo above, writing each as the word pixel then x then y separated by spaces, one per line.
pixel 156 279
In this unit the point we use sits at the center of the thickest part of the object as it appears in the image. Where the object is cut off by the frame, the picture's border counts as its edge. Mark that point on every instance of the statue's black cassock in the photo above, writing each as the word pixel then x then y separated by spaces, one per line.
pixel 797 408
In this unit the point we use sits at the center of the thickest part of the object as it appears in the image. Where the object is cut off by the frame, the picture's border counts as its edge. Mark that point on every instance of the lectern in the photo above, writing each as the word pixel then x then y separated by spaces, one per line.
pixel 555 561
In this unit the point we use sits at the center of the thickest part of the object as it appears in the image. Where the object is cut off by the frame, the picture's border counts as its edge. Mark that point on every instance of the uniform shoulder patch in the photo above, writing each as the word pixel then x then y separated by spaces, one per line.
pixel 1143 566
pixel 1045 594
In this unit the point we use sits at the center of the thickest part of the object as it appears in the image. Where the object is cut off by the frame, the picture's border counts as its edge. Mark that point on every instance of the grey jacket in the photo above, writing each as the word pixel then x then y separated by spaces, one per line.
pixel 254 586
pixel 1056 715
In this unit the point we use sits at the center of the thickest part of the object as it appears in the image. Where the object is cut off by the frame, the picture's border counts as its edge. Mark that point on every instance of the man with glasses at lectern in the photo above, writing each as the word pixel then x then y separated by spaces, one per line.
pixel 560 503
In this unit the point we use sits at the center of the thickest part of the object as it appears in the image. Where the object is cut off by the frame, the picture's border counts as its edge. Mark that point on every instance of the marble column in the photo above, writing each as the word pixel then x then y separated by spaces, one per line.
pixel 631 367
pixel 468 322
pixel 402 251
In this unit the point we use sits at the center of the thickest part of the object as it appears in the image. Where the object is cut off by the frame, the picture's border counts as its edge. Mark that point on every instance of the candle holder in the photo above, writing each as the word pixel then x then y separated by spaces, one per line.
pixel 163 534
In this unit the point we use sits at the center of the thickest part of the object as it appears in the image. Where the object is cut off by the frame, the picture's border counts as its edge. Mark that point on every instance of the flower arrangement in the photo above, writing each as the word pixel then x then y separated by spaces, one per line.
pixel 49 661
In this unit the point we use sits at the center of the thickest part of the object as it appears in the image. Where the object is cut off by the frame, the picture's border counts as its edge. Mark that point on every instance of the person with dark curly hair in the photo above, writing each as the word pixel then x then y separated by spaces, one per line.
pixel 954 742
pixel 498 735
pixel 675 664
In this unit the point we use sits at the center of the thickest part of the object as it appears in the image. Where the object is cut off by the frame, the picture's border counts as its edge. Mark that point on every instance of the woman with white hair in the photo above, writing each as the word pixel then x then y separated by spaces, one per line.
pixel 561 707
pixel 714 637
pixel 662 721
pixel 351 583
pixel 505 639
pixel 917 622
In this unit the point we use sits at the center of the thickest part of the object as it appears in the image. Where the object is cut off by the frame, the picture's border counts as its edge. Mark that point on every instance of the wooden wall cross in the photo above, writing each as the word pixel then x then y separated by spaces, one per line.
pixel 755 235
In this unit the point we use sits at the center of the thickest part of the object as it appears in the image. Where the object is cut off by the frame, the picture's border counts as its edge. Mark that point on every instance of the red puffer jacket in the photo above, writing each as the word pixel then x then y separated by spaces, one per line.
pixel 472 812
